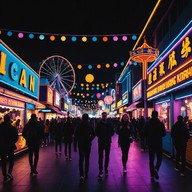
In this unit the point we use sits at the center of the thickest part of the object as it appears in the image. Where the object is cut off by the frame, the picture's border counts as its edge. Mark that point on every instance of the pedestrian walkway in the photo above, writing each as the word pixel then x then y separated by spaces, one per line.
pixel 58 175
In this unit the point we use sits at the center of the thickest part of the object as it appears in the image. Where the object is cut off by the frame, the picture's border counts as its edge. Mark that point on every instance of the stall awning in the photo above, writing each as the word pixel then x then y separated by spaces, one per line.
pixel 132 106
pixel 64 113
pixel 55 109
pixel 51 109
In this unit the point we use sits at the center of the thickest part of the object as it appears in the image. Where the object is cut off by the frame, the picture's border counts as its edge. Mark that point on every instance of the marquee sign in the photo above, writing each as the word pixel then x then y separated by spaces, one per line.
pixel 137 91
pixel 16 73
pixel 11 102
pixel 174 69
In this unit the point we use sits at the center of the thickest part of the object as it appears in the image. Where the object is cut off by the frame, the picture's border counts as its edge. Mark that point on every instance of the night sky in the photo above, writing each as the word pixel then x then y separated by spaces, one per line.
pixel 75 17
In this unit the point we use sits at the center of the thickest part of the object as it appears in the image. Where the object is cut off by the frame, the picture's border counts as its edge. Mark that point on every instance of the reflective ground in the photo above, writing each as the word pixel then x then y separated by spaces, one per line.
pixel 58 175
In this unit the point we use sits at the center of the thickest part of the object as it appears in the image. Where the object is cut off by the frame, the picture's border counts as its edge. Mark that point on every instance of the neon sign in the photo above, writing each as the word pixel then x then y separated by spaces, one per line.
pixel 16 74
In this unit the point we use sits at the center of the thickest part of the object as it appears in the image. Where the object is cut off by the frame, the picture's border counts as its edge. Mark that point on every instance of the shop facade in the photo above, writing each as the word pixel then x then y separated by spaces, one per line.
pixel 169 85
pixel 52 99
pixel 19 91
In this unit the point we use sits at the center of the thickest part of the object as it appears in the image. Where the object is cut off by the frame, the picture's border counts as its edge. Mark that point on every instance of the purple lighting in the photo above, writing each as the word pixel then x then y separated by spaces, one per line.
pixel 124 38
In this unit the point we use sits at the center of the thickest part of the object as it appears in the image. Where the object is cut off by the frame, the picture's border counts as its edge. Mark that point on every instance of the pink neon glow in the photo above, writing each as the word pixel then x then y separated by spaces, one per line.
pixel 98 95
pixel 124 38
pixel 20 35
pixel 108 99
pixel 115 38
pixel 115 64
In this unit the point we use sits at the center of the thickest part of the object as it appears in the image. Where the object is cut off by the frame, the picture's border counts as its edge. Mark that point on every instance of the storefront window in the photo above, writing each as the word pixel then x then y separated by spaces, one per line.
pixel 184 107
pixel 16 115
pixel 164 113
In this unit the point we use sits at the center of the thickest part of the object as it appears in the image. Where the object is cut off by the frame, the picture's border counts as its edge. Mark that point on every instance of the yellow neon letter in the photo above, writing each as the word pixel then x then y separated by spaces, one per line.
pixel 31 83
pixel 2 63
pixel 23 78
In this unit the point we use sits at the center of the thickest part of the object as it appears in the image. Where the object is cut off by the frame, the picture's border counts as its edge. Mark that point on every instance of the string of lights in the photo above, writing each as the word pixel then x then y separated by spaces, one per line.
pixel 69 37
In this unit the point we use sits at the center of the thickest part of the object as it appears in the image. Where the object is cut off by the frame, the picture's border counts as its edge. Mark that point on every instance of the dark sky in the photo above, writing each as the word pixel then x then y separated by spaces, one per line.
pixel 80 17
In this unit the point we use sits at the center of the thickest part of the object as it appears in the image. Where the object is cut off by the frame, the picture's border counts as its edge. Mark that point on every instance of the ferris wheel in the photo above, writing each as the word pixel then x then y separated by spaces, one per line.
pixel 59 72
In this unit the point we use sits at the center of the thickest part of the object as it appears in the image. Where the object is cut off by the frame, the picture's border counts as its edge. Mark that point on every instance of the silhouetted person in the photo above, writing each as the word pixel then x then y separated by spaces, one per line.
pixel 33 132
pixel 180 135
pixel 104 131
pixel 140 125
pixel 46 132
pixel 8 138
pixel 84 134
pixel 124 131
pixel 58 133
pixel 68 137
pixel 154 130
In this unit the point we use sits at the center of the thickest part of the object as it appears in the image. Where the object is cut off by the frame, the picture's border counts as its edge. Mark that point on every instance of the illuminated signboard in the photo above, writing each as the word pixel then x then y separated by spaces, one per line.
pixel 125 98
pixel 173 70
pixel 113 94
pixel 15 73
pixel 49 95
pixel 118 89
pixel 46 94
pixel 137 91
pixel 57 99
pixel 11 102
pixel 119 103
pixel 66 106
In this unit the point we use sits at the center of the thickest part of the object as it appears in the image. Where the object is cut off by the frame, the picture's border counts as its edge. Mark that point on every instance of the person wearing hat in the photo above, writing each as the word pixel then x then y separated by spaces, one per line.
pixel 8 138
pixel 33 133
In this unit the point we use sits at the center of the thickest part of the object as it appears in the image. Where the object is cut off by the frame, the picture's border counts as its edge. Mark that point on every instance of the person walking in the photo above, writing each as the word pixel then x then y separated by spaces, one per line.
pixel 8 138
pixel 46 132
pixel 33 132
pixel 180 136
pixel 124 131
pixel 68 132
pixel 58 133
pixel 154 130
pixel 84 134
pixel 140 125
pixel 104 131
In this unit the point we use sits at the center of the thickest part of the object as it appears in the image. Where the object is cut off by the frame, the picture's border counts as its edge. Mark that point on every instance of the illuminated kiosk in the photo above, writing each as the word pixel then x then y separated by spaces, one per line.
pixel 144 54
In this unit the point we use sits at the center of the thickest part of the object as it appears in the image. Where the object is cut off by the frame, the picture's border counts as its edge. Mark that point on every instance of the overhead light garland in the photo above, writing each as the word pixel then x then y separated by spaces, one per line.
pixel 100 66
pixel 69 37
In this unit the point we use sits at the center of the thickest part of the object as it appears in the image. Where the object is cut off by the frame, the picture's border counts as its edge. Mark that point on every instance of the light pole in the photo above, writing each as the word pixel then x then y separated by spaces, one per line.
pixel 144 54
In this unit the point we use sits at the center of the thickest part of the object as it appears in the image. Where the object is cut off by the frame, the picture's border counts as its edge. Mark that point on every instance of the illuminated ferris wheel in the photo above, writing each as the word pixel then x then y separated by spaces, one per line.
pixel 59 72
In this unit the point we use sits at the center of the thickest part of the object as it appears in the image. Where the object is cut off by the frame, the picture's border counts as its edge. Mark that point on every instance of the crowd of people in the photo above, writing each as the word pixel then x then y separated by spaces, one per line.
pixel 78 134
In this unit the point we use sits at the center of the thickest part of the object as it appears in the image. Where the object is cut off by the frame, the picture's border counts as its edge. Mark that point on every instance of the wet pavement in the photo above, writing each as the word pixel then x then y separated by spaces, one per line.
pixel 59 175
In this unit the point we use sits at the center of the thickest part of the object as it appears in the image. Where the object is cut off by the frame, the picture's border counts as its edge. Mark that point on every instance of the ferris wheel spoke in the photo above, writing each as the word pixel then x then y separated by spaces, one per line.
pixel 59 72
pixel 64 87
pixel 46 73
pixel 65 68
pixel 66 72
pixel 67 80
pixel 49 66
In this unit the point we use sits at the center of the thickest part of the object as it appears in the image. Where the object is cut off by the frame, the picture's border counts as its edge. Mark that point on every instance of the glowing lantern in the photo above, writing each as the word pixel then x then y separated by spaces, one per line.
pixel 98 95
pixel 108 100
pixel 89 78
pixel 100 103
pixel 144 54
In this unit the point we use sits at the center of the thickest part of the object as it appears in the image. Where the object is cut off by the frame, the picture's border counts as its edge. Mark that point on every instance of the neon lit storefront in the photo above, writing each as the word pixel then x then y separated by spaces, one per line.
pixel 19 90
pixel 169 82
